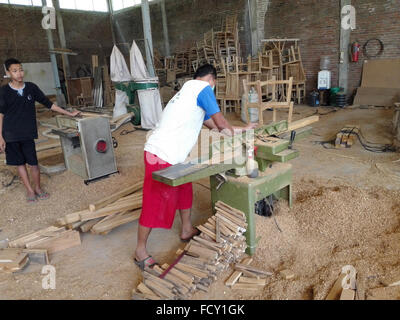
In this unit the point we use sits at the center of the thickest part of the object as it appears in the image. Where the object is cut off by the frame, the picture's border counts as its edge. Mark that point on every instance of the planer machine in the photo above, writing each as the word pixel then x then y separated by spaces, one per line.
pixel 231 180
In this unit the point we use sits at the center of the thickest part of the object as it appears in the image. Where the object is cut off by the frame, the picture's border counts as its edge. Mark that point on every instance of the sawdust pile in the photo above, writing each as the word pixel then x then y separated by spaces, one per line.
pixel 330 226
pixel 7 179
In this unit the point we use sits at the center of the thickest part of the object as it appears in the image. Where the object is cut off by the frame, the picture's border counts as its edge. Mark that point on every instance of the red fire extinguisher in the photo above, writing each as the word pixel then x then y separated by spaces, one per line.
pixel 355 51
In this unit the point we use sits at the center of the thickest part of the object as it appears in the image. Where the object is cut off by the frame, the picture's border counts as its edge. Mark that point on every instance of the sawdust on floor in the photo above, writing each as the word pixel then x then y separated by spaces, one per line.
pixel 342 214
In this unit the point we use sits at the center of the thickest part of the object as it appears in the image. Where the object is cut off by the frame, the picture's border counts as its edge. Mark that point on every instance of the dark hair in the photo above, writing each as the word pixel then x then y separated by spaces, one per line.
pixel 205 70
pixel 9 62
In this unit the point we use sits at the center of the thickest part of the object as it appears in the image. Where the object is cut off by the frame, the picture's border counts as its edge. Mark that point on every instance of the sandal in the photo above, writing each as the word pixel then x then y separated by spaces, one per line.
pixel 190 238
pixel 148 262
pixel 43 196
pixel 31 199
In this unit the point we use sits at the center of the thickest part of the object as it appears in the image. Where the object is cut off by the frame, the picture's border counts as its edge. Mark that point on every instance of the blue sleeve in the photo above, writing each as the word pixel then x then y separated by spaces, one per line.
pixel 207 101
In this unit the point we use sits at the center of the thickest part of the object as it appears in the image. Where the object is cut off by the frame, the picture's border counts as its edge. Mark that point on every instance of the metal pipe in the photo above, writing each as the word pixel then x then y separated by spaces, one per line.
pixel 111 11
pixel 61 34
pixel 53 59
pixel 148 37
pixel 165 29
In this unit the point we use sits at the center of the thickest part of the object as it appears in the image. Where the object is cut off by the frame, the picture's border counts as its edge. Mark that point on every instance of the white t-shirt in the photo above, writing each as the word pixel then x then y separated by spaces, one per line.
pixel 181 122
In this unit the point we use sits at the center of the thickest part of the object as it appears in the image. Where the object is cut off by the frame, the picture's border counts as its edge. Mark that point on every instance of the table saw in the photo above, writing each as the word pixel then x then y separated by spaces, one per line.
pixel 228 178
pixel 88 146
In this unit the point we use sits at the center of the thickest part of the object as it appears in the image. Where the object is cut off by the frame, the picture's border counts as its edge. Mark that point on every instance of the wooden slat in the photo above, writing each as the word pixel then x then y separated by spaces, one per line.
pixel 116 196
pixel 237 274
pixel 66 240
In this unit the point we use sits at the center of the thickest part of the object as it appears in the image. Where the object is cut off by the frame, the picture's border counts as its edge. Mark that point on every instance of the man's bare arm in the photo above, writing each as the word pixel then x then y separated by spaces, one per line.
pixel 223 125
pixel 210 124
pixel 62 111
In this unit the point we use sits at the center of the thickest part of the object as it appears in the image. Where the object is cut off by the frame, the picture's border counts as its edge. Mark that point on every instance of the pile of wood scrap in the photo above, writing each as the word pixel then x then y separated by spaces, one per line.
pixel 246 277
pixel 347 136
pixel 52 239
pixel 205 257
pixel 13 260
pixel 107 214
pixel 344 288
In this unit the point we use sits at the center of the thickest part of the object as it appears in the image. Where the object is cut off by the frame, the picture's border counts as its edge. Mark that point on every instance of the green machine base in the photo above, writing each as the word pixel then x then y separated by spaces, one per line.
pixel 243 193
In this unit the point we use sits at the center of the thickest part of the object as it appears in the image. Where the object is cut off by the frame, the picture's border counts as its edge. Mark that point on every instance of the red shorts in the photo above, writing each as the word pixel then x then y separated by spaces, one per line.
pixel 161 201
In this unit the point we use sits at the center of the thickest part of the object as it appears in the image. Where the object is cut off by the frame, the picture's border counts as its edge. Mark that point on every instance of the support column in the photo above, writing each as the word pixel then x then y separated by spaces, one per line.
pixel 252 6
pixel 165 29
pixel 61 35
pixel 111 12
pixel 148 40
pixel 60 97
pixel 344 51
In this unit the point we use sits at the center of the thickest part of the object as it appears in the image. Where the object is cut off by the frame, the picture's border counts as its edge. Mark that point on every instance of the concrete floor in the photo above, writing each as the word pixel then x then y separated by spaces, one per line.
pixel 102 267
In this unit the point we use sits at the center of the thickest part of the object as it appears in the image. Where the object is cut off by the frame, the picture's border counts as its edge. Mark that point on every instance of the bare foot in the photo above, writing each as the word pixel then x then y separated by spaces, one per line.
pixel 188 234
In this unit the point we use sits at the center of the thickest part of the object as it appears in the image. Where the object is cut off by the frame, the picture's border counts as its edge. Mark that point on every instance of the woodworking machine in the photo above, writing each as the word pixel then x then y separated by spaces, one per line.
pixel 88 146
pixel 229 180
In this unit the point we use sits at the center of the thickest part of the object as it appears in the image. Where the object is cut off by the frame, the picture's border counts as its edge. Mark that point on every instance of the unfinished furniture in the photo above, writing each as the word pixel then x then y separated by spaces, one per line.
pixel 82 88
pixel 276 101
pixel 229 181
pixel 277 57
pixel 296 72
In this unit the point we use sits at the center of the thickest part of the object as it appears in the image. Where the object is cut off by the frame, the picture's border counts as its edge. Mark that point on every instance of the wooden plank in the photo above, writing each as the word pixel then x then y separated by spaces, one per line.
pixel 232 218
pixel 144 289
pixel 86 226
pixel 240 267
pixel 260 282
pixel 348 294
pixel 337 288
pixel 67 240
pixel 192 270
pixel 179 274
pixel 302 123
pixel 22 240
pixel 159 289
pixel 237 274
pixel 117 208
pixel 232 210
pixel 116 221
pixel 246 286
pixel 142 296
pixel 116 196
pixel 217 231
pixel 207 232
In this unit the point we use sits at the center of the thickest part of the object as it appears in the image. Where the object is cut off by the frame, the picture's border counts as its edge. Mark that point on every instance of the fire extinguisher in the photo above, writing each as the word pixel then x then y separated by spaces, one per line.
pixel 355 51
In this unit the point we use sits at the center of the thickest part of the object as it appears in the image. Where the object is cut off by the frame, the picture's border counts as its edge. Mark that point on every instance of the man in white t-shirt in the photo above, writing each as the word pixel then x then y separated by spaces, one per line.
pixel 170 143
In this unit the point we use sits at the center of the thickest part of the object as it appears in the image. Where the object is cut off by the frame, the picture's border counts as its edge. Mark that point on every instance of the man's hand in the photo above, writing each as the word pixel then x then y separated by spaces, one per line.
pixel 2 145
pixel 251 125
pixel 74 113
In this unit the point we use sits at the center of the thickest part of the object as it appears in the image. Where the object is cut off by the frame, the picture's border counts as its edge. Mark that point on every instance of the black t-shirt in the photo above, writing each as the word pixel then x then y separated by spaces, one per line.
pixel 19 112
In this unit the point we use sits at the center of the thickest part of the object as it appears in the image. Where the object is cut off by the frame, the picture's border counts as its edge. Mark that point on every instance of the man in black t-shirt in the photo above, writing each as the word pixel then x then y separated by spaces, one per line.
pixel 18 127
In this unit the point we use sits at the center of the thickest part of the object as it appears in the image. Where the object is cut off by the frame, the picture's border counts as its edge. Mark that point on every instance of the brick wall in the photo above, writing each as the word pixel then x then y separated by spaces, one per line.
pixel 22 36
pixel 317 24
pixel 188 20
pixel 375 19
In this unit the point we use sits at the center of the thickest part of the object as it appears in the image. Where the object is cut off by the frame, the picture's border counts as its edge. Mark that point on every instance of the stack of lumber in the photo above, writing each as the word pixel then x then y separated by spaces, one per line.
pixel 246 277
pixel 107 214
pixel 13 260
pixel 205 257
pixel 347 136
pixel 52 239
